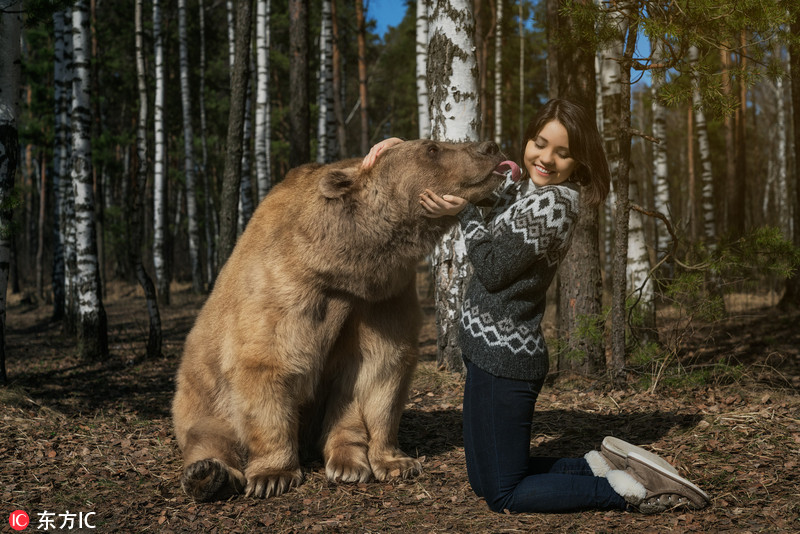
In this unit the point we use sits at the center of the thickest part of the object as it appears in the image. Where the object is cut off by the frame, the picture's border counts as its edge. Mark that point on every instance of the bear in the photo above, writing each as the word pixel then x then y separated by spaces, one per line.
pixel 310 332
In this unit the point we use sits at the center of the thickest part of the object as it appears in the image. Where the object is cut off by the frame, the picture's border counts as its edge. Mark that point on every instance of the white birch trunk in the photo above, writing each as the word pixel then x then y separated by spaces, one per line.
pixel 455 116
pixel 262 134
pixel 498 74
pixel 780 161
pixel 92 333
pixel 423 106
pixel 153 348
pixel 188 149
pixel 10 61
pixel 704 153
pixel 661 185
pixel 326 121
pixel 160 260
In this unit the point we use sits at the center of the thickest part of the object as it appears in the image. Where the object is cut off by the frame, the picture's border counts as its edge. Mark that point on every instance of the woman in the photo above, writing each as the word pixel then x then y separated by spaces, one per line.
pixel 515 252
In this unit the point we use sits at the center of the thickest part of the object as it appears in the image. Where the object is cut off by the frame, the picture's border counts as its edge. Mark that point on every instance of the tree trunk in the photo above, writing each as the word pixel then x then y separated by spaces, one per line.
pixel 233 154
pixel 262 138
pixel 61 88
pixel 338 86
pixel 210 228
pixel 619 293
pixel 188 149
pixel 453 93
pixel 423 106
pixel 580 285
pixel 298 83
pixel 730 137
pixel 161 258
pixel 791 297
pixel 326 121
pixel 153 348
pixel 93 330
pixel 498 74
pixel 362 74
pixel 10 61
pixel 660 178
pixel 704 152
pixel 737 193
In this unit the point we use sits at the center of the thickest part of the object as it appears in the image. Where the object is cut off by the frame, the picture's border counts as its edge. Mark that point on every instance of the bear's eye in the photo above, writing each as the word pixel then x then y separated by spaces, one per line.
pixel 433 150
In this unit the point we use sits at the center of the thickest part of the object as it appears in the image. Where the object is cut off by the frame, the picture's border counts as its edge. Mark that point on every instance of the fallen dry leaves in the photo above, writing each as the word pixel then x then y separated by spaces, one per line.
pixel 97 438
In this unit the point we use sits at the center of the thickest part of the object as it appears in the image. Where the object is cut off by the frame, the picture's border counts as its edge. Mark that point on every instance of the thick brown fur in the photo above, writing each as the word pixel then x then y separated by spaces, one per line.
pixel 316 311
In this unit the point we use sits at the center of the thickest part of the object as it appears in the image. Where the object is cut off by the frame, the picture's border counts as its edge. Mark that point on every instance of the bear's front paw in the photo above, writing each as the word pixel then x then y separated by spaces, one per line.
pixel 271 483
pixel 341 468
pixel 396 466
pixel 211 479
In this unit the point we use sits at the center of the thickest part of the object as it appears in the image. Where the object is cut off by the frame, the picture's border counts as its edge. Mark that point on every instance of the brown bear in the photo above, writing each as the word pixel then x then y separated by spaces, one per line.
pixel 316 312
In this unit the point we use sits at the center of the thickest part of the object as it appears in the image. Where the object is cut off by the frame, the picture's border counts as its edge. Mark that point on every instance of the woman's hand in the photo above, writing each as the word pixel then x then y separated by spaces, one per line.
pixel 369 159
pixel 439 206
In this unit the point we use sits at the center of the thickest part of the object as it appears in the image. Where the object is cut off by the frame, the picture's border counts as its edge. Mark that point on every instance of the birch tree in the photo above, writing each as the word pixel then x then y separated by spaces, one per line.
pixel 153 348
pixel 453 93
pixel 188 149
pixel 704 153
pixel 423 106
pixel 93 330
pixel 263 129
pixel 160 211
pixel 10 60
pixel 662 200
pixel 326 121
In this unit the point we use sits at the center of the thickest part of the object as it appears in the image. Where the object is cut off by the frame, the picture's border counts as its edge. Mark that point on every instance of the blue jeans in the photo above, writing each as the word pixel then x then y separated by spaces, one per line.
pixel 498 415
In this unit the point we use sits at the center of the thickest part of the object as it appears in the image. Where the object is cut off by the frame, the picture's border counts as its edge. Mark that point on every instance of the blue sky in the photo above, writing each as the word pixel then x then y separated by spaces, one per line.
pixel 386 13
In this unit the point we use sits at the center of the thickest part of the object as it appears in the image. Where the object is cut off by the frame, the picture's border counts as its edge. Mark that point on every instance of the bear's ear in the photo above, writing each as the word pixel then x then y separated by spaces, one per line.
pixel 337 183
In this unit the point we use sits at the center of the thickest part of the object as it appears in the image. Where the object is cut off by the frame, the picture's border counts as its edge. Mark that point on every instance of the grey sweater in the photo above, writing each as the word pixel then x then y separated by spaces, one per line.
pixel 515 253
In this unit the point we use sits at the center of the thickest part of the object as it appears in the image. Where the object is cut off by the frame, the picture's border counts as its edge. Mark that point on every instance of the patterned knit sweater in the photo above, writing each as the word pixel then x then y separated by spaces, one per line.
pixel 515 253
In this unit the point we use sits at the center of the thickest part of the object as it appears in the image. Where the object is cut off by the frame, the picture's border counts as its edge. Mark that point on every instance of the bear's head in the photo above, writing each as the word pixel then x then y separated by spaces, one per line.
pixel 403 171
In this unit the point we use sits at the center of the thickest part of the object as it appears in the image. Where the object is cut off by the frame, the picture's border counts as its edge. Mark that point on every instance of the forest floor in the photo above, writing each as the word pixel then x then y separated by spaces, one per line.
pixel 95 438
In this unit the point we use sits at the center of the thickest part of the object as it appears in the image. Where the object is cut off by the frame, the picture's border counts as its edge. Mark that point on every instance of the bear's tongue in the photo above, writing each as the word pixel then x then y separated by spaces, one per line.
pixel 507 165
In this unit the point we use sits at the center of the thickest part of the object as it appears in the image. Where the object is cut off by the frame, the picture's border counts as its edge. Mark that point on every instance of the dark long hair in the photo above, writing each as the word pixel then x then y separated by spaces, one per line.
pixel 585 146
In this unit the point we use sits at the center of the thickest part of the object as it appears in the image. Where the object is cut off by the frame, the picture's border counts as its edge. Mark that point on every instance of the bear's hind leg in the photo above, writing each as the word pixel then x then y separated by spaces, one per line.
pixel 212 461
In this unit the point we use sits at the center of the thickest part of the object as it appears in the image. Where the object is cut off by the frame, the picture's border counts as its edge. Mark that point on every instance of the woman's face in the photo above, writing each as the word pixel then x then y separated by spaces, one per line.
pixel 547 156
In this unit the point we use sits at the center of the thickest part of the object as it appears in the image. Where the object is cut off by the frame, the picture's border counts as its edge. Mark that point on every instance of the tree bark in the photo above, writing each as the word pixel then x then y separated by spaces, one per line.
pixel 580 286
pixel 153 348
pixel 362 74
pixel 229 201
pixel 93 329
pixel 455 116
pixel 189 160
pixel 791 297
pixel 298 83
pixel 10 61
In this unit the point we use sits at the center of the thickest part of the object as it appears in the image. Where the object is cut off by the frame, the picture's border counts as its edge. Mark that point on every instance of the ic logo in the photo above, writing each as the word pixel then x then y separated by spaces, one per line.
pixel 19 520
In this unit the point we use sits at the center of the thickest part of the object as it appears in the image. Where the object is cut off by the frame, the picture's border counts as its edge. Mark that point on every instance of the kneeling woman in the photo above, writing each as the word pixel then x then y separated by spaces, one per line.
pixel 515 251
